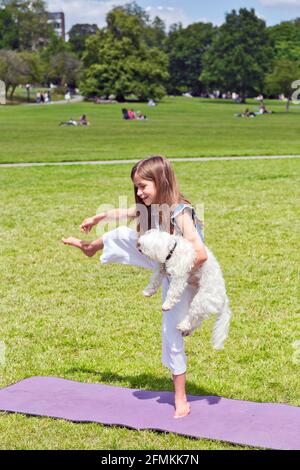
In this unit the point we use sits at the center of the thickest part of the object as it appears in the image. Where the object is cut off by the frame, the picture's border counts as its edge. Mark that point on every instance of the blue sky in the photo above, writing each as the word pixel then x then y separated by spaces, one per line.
pixel 187 11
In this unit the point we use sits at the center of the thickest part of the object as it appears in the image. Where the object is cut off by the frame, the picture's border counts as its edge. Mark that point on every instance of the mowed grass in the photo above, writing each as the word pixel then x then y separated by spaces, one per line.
pixel 177 127
pixel 68 316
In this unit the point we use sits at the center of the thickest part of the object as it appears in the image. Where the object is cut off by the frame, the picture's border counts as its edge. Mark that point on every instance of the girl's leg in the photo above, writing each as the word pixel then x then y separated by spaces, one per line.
pixel 88 248
pixel 118 245
pixel 181 404
pixel 173 347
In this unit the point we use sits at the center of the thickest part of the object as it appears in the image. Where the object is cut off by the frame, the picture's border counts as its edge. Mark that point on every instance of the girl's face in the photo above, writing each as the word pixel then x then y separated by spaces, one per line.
pixel 146 190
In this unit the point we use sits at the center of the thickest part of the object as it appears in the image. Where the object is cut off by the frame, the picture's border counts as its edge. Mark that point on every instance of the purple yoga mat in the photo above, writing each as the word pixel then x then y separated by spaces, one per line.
pixel 266 425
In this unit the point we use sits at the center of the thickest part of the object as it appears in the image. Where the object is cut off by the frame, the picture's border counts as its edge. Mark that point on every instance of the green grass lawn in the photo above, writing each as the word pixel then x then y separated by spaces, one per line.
pixel 177 127
pixel 66 315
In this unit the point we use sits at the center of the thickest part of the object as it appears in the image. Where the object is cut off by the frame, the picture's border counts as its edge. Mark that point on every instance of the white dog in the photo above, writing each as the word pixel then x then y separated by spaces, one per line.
pixel 176 256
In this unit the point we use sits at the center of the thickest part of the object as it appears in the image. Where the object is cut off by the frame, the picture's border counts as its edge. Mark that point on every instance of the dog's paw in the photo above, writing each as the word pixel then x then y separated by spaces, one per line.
pixel 184 329
pixel 148 292
pixel 166 306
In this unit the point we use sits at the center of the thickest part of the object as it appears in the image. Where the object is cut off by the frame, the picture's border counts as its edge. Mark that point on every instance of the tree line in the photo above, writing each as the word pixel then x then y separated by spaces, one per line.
pixel 136 55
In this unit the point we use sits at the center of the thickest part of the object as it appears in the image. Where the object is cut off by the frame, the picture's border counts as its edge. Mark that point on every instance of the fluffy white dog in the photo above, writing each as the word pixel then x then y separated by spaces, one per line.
pixel 175 256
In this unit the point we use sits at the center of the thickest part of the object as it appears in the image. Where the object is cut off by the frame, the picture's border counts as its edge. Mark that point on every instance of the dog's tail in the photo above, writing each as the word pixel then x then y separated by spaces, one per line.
pixel 221 326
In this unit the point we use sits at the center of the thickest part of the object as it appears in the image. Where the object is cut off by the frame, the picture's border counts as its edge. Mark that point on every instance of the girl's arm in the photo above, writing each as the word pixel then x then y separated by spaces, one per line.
pixel 190 233
pixel 114 214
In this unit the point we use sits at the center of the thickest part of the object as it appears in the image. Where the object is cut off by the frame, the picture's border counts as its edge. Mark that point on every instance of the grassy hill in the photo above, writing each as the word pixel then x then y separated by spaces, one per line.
pixel 177 127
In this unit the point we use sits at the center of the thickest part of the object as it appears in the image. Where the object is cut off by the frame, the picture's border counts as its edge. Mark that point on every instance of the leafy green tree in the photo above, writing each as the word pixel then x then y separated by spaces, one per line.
pixel 78 34
pixel 55 48
pixel 65 69
pixel 118 60
pixel 240 55
pixel 155 33
pixel 122 70
pixel 14 70
pixel 186 47
pixel 31 24
pixel 133 21
pixel 129 21
pixel 280 80
pixel 286 39
pixel 56 45
pixel 36 68
pixel 9 35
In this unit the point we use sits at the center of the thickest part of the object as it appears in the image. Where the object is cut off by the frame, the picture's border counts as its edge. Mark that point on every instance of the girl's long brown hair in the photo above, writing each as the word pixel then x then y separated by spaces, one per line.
pixel 158 170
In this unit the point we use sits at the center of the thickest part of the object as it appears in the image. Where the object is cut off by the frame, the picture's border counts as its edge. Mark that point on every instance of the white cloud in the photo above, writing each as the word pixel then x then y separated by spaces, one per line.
pixel 169 15
pixel 84 11
pixel 203 19
pixel 261 17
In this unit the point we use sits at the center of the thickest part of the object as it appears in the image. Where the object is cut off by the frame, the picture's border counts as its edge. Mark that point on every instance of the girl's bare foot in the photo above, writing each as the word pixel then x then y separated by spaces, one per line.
pixel 182 407
pixel 88 248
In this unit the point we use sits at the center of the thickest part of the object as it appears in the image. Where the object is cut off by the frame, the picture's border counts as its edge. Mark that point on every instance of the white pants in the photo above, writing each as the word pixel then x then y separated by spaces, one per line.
pixel 120 247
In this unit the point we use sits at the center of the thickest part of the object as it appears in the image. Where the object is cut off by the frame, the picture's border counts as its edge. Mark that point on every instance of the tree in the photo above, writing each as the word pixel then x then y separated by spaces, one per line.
pixel 128 21
pixel 9 36
pixel 155 33
pixel 132 21
pixel 118 60
pixel 65 69
pixel 55 46
pixel 286 39
pixel 78 34
pixel 36 68
pixel 285 72
pixel 239 56
pixel 186 47
pixel 14 70
pixel 26 23
pixel 122 70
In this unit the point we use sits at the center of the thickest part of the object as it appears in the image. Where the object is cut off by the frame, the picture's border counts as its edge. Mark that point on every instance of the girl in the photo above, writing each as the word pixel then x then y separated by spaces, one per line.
pixel 155 187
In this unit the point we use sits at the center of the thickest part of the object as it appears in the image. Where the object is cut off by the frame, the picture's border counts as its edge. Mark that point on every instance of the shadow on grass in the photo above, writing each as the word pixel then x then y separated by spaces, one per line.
pixel 141 381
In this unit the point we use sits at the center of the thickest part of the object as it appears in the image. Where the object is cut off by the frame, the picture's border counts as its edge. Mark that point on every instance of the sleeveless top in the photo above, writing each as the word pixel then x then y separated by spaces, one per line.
pixel 178 209
pixel 197 222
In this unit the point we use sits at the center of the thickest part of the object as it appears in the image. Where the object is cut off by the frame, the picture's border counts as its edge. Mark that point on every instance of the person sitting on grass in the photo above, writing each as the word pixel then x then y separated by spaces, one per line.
pixel 83 121
pixel 246 113
pixel 125 113
pixel 131 114
pixel 128 114
pixel 263 110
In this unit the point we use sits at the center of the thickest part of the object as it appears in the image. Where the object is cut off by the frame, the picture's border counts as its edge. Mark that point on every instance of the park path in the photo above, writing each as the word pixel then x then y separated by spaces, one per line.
pixel 75 99
pixel 118 162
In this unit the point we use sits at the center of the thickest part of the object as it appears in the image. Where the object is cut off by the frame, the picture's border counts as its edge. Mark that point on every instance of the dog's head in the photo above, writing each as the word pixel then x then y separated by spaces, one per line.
pixel 156 244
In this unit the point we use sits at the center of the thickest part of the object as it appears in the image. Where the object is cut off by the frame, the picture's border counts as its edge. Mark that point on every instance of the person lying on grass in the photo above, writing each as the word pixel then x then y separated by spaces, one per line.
pixel 71 122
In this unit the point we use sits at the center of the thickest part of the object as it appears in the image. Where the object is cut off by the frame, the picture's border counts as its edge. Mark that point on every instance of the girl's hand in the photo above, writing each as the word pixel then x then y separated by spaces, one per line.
pixel 87 225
